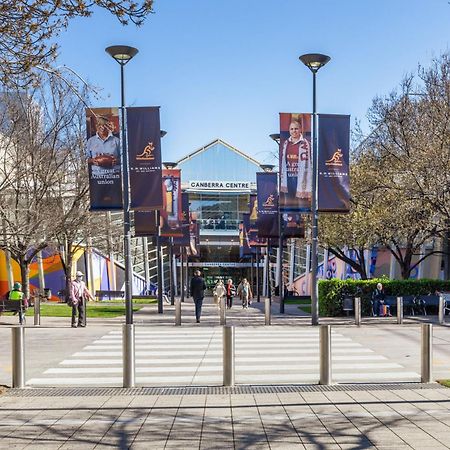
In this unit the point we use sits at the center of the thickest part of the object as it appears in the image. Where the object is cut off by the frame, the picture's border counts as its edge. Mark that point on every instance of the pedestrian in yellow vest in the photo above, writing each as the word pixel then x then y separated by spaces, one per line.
pixel 16 294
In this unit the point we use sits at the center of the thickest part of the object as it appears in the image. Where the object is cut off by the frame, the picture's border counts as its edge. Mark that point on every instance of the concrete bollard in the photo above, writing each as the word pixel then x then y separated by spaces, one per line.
pixel 222 311
pixel 358 311
pixel 18 357
pixel 228 356
pixel 399 310
pixel 441 315
pixel 178 311
pixel 267 311
pixel 37 311
pixel 325 354
pixel 128 354
pixel 427 353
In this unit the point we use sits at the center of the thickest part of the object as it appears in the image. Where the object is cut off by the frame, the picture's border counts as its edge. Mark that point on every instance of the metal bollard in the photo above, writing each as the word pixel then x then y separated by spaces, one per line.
pixel 427 353
pixel 222 311
pixel 128 355
pixel 267 311
pixel 18 357
pixel 325 354
pixel 399 310
pixel 358 311
pixel 177 311
pixel 441 316
pixel 37 311
pixel 228 356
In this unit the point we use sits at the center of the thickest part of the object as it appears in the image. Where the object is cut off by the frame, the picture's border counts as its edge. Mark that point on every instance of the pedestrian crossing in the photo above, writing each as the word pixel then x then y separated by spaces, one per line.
pixel 274 355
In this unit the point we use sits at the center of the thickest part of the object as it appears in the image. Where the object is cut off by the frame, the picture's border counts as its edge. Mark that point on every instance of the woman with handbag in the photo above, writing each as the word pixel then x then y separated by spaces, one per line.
pixel 230 292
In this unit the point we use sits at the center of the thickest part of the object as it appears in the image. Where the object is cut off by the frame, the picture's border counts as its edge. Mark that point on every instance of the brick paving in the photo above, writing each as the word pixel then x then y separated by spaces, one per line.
pixel 348 419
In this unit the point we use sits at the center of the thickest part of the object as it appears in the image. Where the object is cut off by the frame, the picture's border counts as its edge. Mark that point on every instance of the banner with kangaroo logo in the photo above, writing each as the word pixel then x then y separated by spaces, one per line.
pixel 144 155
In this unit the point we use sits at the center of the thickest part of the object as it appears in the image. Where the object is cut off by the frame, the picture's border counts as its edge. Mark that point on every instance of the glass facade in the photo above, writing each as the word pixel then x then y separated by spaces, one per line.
pixel 218 162
pixel 218 210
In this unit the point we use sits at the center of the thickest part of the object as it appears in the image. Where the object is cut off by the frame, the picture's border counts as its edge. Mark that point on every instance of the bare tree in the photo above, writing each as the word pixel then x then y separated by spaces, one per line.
pixel 27 29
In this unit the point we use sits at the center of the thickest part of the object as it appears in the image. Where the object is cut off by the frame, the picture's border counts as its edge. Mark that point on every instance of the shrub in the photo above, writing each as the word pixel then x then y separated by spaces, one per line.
pixel 332 291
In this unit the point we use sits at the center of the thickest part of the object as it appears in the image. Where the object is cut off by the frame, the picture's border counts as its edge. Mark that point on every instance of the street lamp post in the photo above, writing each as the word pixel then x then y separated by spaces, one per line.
pixel 123 54
pixel 314 61
pixel 276 137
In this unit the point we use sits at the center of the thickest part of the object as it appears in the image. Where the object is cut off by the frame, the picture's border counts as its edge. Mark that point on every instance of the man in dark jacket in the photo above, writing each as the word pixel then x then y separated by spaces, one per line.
pixel 198 287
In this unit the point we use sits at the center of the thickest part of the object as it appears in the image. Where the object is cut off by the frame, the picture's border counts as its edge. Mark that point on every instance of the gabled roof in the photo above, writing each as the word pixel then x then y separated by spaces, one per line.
pixel 211 144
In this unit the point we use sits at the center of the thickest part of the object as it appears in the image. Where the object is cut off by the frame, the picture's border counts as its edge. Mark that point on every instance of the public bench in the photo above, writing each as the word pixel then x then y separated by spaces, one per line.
pixel 414 305
pixel 108 295
pixel 11 305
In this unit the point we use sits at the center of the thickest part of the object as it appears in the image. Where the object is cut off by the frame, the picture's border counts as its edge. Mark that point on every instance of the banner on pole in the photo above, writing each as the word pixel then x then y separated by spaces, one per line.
pixel 145 223
pixel 244 243
pixel 172 213
pixel 253 208
pixel 267 204
pixel 293 225
pixel 333 163
pixel 184 239
pixel 144 156
pixel 103 153
pixel 295 162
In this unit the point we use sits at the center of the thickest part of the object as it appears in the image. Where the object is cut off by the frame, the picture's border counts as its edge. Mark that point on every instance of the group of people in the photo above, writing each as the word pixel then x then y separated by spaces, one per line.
pixel 221 290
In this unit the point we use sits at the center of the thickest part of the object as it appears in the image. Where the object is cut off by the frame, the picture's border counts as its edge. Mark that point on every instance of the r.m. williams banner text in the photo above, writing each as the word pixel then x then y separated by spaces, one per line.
pixel 144 154
pixel 295 162
pixel 103 153
pixel 333 176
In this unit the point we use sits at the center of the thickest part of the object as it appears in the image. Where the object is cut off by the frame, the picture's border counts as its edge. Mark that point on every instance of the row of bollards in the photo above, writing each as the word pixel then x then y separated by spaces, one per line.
pixel 357 308
pixel 228 340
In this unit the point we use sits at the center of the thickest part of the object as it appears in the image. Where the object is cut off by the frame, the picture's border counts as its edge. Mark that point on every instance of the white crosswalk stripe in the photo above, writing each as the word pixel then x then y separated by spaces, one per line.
pixel 194 357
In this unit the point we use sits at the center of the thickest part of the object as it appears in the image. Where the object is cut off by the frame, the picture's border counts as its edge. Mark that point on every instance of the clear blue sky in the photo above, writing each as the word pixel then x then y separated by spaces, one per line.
pixel 226 68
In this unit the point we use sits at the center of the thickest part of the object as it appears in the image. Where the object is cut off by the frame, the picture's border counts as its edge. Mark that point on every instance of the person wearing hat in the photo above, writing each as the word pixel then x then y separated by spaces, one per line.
pixel 78 294
pixel 16 294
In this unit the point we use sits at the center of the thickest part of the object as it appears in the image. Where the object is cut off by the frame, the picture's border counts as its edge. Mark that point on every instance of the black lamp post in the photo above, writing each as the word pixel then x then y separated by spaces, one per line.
pixel 276 137
pixel 123 54
pixel 314 61
pixel 167 165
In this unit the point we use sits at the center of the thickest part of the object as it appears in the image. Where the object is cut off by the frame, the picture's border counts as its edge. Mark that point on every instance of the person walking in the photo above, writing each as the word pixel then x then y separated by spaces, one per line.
pixel 219 292
pixel 78 294
pixel 16 294
pixel 245 292
pixel 230 292
pixel 197 290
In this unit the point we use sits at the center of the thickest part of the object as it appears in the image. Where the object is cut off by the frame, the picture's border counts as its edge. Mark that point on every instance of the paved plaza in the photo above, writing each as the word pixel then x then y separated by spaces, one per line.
pixel 74 397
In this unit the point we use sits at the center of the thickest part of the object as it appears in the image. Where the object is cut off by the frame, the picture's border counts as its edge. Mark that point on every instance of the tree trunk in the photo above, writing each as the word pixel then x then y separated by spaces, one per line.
pixel 25 274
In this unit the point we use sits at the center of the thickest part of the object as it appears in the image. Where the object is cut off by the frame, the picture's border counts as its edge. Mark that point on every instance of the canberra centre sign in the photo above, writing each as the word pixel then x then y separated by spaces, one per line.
pixel 239 186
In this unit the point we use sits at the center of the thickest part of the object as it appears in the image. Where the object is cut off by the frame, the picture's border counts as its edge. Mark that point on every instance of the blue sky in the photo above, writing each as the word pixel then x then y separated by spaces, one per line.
pixel 226 68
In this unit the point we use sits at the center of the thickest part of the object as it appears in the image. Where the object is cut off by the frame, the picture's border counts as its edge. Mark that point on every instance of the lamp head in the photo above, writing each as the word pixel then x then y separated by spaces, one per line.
pixel 122 53
pixel 275 137
pixel 267 167
pixel 162 133
pixel 170 165
pixel 314 61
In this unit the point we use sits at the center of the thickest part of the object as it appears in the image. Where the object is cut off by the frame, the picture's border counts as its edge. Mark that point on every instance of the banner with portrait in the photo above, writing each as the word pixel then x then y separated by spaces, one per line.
pixel 267 188
pixel 244 242
pixel 144 158
pixel 293 225
pixel 194 239
pixel 333 176
pixel 253 208
pixel 184 239
pixel 295 158
pixel 145 223
pixel 103 156
pixel 171 213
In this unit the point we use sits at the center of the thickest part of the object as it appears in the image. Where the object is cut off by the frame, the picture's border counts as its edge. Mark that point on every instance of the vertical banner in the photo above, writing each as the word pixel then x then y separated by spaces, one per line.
pixel 194 239
pixel 295 162
pixel 144 157
pixel 184 239
pixel 244 241
pixel 145 223
pixel 267 189
pixel 253 208
pixel 172 213
pixel 293 225
pixel 103 153
pixel 333 177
